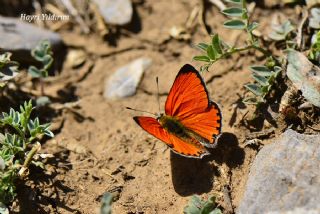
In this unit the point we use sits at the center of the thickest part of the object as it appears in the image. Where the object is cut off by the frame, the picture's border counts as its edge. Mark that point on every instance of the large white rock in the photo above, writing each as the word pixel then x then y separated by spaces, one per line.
pixel 20 38
pixel 285 177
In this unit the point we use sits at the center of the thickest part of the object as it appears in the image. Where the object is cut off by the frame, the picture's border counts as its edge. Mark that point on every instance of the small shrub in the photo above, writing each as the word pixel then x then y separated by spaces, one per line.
pixel 18 146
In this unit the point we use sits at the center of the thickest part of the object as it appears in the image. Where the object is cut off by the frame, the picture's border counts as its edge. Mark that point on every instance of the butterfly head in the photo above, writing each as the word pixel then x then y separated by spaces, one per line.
pixel 159 116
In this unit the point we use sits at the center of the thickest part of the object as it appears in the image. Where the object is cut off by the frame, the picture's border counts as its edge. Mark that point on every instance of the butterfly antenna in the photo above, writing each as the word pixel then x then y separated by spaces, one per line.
pixel 158 94
pixel 140 111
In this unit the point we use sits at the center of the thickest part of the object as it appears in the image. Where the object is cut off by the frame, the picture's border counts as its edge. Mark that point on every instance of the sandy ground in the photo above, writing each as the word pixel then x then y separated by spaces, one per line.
pixel 99 147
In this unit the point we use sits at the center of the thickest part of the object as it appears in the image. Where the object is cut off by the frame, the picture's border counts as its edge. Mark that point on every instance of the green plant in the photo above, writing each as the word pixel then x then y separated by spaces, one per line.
pixel 42 53
pixel 198 206
pixel 18 146
pixel 264 76
pixel 218 49
pixel 314 52
pixel 8 68
pixel 264 80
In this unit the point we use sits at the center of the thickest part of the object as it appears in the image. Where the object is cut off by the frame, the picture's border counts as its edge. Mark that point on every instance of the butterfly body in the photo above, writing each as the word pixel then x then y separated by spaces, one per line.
pixel 191 121
pixel 172 125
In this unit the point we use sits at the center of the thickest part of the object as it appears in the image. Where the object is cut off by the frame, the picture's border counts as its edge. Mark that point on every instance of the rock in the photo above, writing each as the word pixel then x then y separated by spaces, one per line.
pixel 76 58
pixel 124 81
pixel 117 12
pixel 20 38
pixel 285 177
pixel 314 20
pixel 305 76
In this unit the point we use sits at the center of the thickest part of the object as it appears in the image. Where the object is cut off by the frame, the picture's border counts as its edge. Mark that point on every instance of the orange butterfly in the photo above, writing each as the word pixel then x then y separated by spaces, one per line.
pixel 191 120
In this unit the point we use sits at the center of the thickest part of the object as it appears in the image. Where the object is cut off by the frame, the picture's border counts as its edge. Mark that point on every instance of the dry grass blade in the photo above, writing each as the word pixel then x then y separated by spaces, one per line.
pixel 299 38
pixel 101 26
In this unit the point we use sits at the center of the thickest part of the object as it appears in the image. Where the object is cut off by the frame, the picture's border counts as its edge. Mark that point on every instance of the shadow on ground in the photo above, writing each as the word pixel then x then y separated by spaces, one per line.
pixel 195 176
pixel 32 197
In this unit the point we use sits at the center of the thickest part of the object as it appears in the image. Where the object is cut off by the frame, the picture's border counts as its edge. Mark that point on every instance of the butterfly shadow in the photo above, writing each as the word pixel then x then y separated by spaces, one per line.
pixel 191 176
pixel 227 151
pixel 195 176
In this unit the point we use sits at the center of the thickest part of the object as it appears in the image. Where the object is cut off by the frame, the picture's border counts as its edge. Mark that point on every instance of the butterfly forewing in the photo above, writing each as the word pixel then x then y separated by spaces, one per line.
pixel 187 95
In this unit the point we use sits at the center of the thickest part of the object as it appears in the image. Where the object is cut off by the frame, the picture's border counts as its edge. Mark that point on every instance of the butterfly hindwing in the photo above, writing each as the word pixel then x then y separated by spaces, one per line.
pixel 188 100
pixel 188 147
pixel 207 124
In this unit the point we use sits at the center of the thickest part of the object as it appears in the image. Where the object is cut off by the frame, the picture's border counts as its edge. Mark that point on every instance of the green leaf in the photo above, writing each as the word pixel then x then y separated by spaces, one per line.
pixel 216 44
pixel 198 206
pixel 203 46
pixel 235 24
pixel 207 208
pixel 265 89
pixel 211 52
pixel 34 72
pixel 250 100
pixel 234 1
pixel 216 211
pixel 277 69
pixel 233 11
pixel 8 68
pixel 252 26
pixel 261 70
pixel 201 58
pixel 49 133
pixel 106 203
pixel 260 79
pixel 47 61
pixel 255 89
pixel 194 206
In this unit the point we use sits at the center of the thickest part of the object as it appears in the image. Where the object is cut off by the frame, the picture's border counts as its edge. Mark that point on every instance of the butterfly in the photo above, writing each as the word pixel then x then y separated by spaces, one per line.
pixel 191 121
